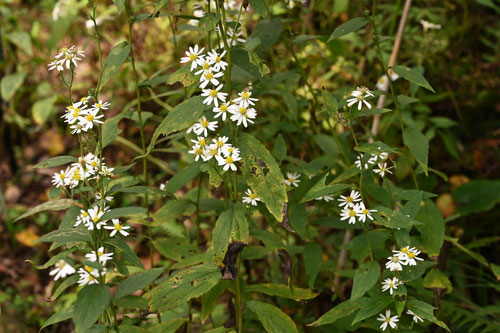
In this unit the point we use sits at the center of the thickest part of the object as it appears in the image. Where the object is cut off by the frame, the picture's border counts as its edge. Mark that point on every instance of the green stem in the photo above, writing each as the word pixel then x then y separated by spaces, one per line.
pixel 239 314
pixel 367 241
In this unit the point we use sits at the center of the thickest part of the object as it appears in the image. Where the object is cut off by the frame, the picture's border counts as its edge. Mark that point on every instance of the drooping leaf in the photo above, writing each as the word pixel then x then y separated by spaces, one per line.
pixel 91 302
pixel 425 311
pixel 432 230
pixel 313 255
pixel 10 83
pixel 348 27
pixel 412 75
pixel 137 282
pixel 374 306
pixel 272 319
pixel 320 189
pixel 365 278
pixel 263 175
pixel 183 286
pixel 477 196
pixel 342 310
pixel 65 236
pixel 56 161
pixel 59 204
pixel 418 145
pixel 255 60
pixel 280 290
pixel 68 282
pixel 64 314
pixel 114 61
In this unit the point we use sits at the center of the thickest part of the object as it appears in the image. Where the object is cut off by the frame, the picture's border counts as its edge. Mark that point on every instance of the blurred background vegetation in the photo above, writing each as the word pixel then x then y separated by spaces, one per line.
pixel 462 120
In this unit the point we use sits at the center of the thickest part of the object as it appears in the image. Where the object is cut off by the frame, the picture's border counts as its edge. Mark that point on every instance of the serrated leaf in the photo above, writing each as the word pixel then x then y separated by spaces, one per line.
pixel 320 189
pixel 184 76
pixel 10 84
pixel 231 226
pixel 280 290
pixel 418 145
pixel 91 302
pixel 64 314
pixel 59 204
pixel 433 228
pixel 65 236
pixel 342 310
pixel 412 75
pixel 183 286
pixel 273 319
pixel 348 27
pixel 263 175
pixel 114 61
pixel 365 278
pixel 181 117
pixel 56 161
pixel 137 282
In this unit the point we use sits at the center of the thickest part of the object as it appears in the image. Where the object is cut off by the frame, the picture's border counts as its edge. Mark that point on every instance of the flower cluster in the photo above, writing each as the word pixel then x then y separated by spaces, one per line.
pixel 354 209
pixel 87 168
pixel 359 96
pixel 66 58
pixel 405 256
pixel 231 8
pixel 91 275
pixel 376 158
pixel 81 117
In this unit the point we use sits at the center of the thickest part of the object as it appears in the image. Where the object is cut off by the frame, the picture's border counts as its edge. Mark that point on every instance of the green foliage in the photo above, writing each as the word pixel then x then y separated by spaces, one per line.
pixel 91 302
pixel 364 279
pixel 273 319
pixel 115 60
pixel 348 27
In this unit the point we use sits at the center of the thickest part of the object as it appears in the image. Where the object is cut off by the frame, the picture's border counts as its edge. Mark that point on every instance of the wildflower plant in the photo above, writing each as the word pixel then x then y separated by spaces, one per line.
pixel 238 204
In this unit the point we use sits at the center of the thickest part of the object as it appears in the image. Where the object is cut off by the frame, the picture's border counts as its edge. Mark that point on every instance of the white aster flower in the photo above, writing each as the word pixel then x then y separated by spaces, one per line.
pixel 394 264
pixel 75 112
pixel 382 169
pixel 416 318
pixel 100 255
pixel 362 212
pixel 106 197
pixel 292 179
pixel 348 213
pixel 360 100
pixel 228 162
pixel 90 118
pixel 350 200
pixel 89 275
pixel 242 115
pixel 245 99
pixel 383 82
pixel 326 198
pixel 426 25
pixel 235 37
pixel 84 218
pixel 205 66
pixel 66 58
pixel 94 221
pixel 229 150
pixel 117 227
pixel 197 151
pixel 359 161
pixel 61 178
pixel 391 284
pixel 387 320
pixel 62 269
pixel 210 151
pixel 221 111
pixel 101 105
pixel 408 256
pixel 251 198
pixel 193 55
pixel 210 76
pixel 216 59
pixel 201 141
pixel 213 96
pixel 202 126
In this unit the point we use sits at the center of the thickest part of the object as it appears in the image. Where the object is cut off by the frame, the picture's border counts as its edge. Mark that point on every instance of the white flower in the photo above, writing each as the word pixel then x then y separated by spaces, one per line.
pixel 213 96
pixel 61 178
pixel 75 112
pixel 95 215
pixel 362 91
pixel 66 58
pixel 378 156
pixel 394 263
pixel 391 284
pixel 202 125
pixel 228 162
pixel 359 161
pixel 241 114
pixel 62 269
pixel 201 141
pixel 229 150
pixel 416 318
pixel 221 111
pixel 101 105
pixel 382 169
pixel 234 38
pixel 89 275
pixel 362 212
pixel 383 82
pixel 77 128
pixel 387 320
pixel 350 200
pixel 103 257
pixel 216 59
pixel 292 179
pixel 408 256
pixel 251 198
pixel 84 218
pixel 220 142
pixel 426 25
pixel 117 227
pixel 327 198
pixel 209 76
pixel 360 100
pixel 244 99
pixel 205 64
pixel 348 213
pixel 90 118
pixel 210 151
pixel 197 151
pixel 192 56
pixel 107 198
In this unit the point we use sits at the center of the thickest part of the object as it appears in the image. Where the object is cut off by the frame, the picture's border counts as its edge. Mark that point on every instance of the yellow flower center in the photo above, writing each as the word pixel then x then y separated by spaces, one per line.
pixel 94 163
pixel 352 213
pixel 90 117
pixel 391 285
pixel 91 278
pixel 68 57
pixel 204 123
pixel 220 143
pixel 62 175
pixel 223 108
pixel 76 114
pixel 202 142
pixel 95 219
pixel 245 95
pixel 99 253
pixel 88 268
pixel 411 255
pixel 360 98
pixel 98 105
pixel 365 211
pixel 252 196
pixel 85 214
pixel 230 150
pixel 213 93
pixel 209 76
pixel 218 59
pixel 63 50
pixel 118 226
pixel 83 99
pixel 229 160
pixel 198 151
pixel 243 111
pixel 349 199
pixel 404 249
pixel 388 319
pixel 61 264
pixel 206 66
pixel 214 151
pixel 192 57
pixel 395 259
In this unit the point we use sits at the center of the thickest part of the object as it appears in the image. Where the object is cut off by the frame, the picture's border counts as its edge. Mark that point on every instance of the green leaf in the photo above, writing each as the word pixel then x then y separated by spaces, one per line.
pixel 183 286
pixel 273 319
pixel 208 22
pixel 412 75
pixel 255 60
pixel 432 230
pixel 214 176
pixel 124 250
pixel 142 189
pixel 65 236
pixel 210 299
pixel 68 282
pixel 373 307
pixel 313 255
pixel 394 219
pixel 259 6
pixel 263 175
pixel 365 278
pixel 114 61
pixel 231 226
pixel 267 32
pixel 21 39
pixel 371 112
pixel 320 189
pixel 425 311
pixel 91 302
pixel 348 27
pixel 119 5
pixel 175 248
pixel 123 211
pixel 170 326
pixel 10 84
pixel 64 314
pixel 437 279
pixel 279 149
pixel 331 105
pixel 43 109
pixel 137 282
pixel 375 148
pixel 56 161
pixel 280 290
pixel 342 310
pixel 182 177
pixel 181 117
pixel 155 80
pixel 59 204
pixel 110 130
pixel 184 76
pixel 411 273
pixel 53 260
pixel 418 145
pixel 477 196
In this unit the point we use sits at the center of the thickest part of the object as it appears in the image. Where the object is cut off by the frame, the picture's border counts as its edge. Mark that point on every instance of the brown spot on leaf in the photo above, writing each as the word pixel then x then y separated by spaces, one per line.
pixel 286 263
pixel 285 218
pixel 230 269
